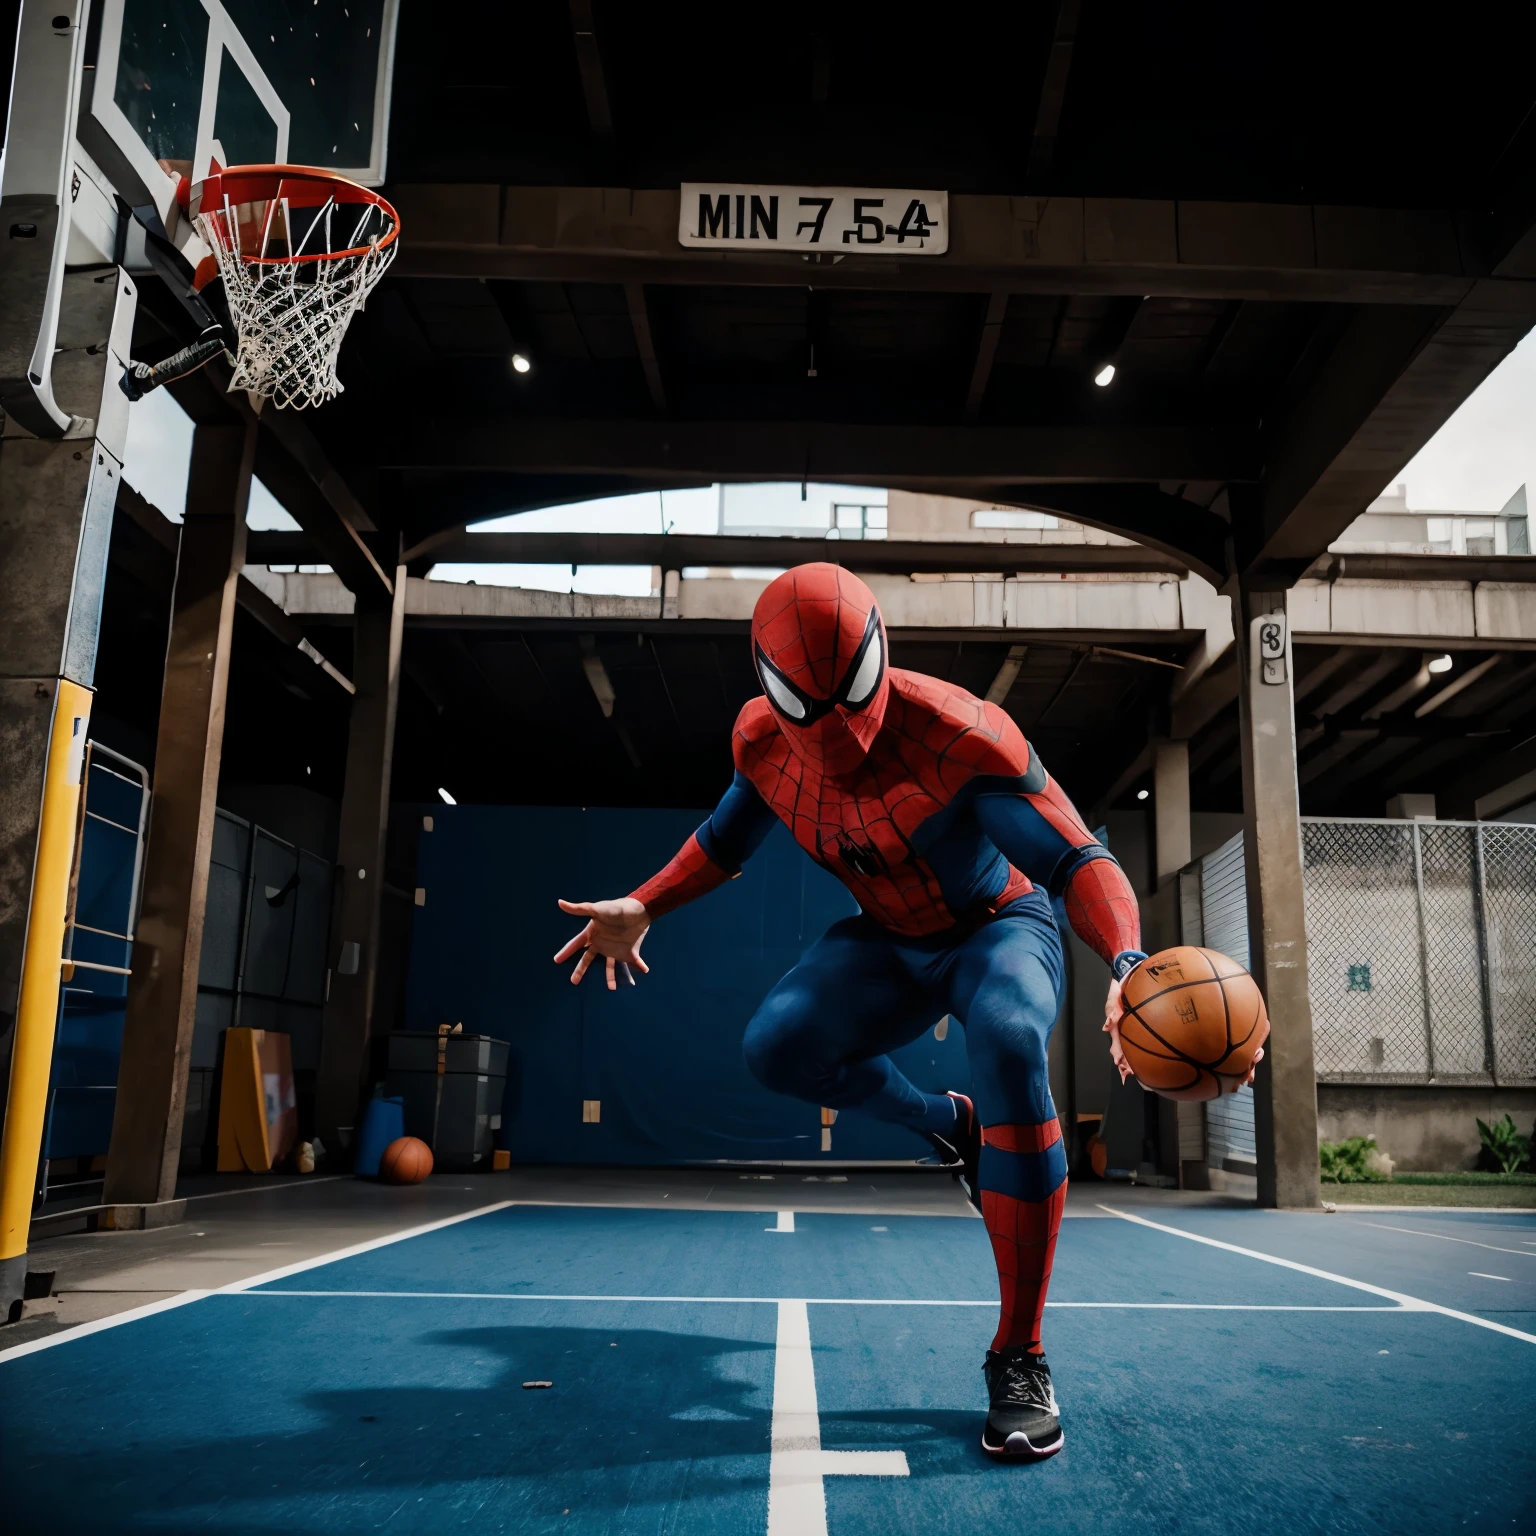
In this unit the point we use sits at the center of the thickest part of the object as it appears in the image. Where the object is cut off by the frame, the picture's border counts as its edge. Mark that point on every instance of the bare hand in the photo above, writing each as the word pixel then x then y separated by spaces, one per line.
pixel 614 931
pixel 1114 1012
pixel 1258 1056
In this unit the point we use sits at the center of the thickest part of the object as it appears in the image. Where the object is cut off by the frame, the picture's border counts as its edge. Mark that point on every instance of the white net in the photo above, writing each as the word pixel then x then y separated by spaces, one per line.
pixel 294 276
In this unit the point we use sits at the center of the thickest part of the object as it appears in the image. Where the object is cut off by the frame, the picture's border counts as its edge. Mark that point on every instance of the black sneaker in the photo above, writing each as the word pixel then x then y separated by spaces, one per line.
pixel 1023 1424
pixel 961 1148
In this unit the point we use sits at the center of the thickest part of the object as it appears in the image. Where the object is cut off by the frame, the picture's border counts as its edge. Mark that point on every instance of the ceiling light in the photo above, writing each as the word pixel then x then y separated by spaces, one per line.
pixel 1105 376
pixel 1141 794
pixel 446 798
pixel 520 364
pixel 1441 664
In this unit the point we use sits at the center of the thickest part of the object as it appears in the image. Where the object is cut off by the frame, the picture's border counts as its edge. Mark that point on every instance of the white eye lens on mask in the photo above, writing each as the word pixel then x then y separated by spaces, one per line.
pixel 783 699
pixel 864 680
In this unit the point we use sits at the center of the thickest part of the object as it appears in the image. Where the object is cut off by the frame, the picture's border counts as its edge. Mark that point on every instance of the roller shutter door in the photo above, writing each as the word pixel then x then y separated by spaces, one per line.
pixel 1229 1132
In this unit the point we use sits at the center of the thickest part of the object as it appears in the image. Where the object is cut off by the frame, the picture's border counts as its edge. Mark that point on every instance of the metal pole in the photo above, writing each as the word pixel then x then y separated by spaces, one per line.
pixel 1484 957
pixel 1418 888
pixel 252 831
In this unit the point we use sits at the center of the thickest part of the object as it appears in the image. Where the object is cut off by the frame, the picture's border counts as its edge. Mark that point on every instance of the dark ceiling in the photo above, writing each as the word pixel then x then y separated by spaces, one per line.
pixel 1266 388
pixel 1374 722
pixel 474 701
pixel 1351 200
pixel 1313 102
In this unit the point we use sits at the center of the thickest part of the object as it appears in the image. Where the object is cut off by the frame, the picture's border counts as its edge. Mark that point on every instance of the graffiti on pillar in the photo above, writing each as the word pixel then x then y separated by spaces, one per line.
pixel 1271 628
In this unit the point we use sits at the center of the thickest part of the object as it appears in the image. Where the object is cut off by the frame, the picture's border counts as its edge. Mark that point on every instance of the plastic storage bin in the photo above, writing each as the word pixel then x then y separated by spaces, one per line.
pixel 456 1112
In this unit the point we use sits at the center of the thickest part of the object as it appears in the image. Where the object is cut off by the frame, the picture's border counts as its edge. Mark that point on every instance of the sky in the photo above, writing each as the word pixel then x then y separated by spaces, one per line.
pixel 158 457
pixel 691 511
pixel 1475 463
pixel 1487 450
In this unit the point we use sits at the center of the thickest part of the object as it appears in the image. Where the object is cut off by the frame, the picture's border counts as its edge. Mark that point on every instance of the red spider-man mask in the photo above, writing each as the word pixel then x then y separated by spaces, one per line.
pixel 819 645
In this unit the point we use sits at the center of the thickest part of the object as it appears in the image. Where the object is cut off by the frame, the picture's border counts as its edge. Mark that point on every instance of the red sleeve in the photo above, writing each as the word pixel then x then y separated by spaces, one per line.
pixel 1102 908
pixel 691 874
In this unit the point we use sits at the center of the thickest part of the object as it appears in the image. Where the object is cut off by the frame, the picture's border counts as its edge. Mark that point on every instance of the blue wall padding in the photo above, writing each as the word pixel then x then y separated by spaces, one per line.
pixel 664 1057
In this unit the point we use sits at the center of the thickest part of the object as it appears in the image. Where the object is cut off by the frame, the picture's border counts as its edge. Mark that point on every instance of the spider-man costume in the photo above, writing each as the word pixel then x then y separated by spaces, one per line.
pixel 930 806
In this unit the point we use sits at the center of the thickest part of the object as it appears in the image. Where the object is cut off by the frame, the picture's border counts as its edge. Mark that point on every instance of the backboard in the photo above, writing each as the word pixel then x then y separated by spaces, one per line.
pixel 172 85
pixel 115 102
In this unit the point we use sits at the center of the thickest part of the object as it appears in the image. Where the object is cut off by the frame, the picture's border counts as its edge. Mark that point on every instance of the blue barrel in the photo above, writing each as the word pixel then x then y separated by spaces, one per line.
pixel 383 1122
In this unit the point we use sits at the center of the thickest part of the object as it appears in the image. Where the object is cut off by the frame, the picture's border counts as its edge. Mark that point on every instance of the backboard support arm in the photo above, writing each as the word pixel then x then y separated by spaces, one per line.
pixel 34 211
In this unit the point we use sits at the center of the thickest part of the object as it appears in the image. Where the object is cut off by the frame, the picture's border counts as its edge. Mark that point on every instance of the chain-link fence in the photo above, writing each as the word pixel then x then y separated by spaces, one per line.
pixel 1421 939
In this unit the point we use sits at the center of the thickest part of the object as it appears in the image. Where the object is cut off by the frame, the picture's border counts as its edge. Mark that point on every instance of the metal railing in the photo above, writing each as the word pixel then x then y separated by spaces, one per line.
pixel 1421 939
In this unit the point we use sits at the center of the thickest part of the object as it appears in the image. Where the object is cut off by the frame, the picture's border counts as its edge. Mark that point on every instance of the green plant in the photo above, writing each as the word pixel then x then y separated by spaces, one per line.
pixel 1349 1162
pixel 1504 1144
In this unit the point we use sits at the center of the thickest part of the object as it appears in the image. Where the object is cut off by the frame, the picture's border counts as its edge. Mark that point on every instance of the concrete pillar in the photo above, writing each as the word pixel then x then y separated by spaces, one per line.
pixel 56 502
pixel 1170 809
pixel 360 864
pixel 1285 1090
pixel 162 992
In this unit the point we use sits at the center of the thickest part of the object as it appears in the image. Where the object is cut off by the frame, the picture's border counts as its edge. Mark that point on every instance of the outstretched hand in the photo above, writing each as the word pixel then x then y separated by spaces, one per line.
pixel 1114 1012
pixel 614 932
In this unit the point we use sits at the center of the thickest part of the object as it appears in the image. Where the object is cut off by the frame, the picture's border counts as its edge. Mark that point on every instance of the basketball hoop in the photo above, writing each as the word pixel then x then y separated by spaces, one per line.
pixel 299 250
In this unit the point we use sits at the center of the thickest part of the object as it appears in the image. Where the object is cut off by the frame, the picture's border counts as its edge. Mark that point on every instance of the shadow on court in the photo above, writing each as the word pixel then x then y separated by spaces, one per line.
pixel 636 1417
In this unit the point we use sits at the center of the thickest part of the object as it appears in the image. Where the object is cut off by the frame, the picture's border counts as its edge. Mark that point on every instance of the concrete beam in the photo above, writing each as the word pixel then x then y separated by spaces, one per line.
pixel 166 535
pixel 1007 674
pixel 1170 809
pixel 1053 91
pixel 645 344
pixel 1492 614
pixel 317 497
pixel 594 85
pixel 852 452
pixel 986 354
pixel 998 244
pixel 675 550
pixel 1391 381
pixel 348 1017
pixel 162 992
pixel 1413 569
pixel 292 465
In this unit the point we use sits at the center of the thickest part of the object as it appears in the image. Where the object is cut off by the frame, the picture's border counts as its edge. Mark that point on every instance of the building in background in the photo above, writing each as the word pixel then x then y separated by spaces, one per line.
pixel 1389 526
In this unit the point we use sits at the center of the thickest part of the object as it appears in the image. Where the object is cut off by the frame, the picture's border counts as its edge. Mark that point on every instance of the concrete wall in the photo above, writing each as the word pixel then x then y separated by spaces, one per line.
pixel 1452 610
pixel 1430 1129
pixel 299 815
pixel 914 516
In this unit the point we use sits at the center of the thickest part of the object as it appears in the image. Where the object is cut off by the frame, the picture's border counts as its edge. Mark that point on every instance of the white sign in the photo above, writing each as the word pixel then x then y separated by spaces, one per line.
pixel 1270 629
pixel 842 220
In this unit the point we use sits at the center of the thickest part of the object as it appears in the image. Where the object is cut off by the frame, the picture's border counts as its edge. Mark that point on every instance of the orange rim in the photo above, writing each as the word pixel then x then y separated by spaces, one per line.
pixel 301 186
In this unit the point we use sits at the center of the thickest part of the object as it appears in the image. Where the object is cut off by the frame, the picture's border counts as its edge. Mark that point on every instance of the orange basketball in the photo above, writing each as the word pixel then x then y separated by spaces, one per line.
pixel 1193 1024
pixel 406 1161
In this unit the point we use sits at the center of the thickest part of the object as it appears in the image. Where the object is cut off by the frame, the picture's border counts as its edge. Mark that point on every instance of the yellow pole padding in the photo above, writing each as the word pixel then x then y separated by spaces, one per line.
pixel 38 1006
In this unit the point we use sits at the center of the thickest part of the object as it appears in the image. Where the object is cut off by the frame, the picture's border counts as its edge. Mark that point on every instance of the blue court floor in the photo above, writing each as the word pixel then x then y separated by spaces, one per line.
pixel 792 1373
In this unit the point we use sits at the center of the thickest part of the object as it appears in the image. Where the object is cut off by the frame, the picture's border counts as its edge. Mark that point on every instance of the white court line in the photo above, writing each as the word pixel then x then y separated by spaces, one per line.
pixel 16 1351
pixel 217 1194
pixel 68 1335
pixel 1479 1275
pixel 1420 1232
pixel 786 1223
pixel 268 1276
pixel 813 1301
pixel 797 1501
pixel 1410 1303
